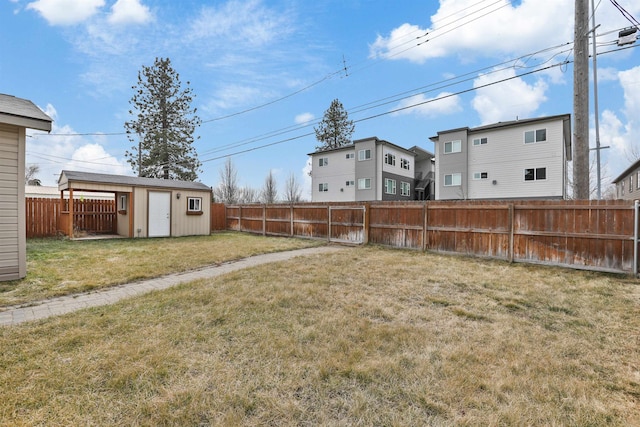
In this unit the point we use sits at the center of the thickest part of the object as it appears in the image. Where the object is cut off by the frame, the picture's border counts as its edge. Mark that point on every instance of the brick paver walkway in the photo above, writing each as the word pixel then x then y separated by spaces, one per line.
pixel 56 306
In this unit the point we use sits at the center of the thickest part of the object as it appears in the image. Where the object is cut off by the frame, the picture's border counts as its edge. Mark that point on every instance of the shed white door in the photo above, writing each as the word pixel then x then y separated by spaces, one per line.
pixel 159 214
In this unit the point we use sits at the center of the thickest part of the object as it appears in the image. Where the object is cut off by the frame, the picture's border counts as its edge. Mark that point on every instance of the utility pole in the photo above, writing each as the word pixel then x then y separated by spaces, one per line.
pixel 581 101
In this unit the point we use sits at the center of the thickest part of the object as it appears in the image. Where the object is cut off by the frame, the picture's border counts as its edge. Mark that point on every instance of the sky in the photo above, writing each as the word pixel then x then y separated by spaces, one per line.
pixel 263 73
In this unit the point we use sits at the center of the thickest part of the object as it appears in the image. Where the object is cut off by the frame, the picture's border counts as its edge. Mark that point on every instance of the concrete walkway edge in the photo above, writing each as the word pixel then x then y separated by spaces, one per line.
pixel 69 303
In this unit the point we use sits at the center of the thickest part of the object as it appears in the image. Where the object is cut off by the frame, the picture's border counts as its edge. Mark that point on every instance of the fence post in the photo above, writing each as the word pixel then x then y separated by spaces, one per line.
pixel 329 223
pixel 264 220
pixel 424 226
pixel 291 219
pixel 635 237
pixel 366 219
pixel 511 231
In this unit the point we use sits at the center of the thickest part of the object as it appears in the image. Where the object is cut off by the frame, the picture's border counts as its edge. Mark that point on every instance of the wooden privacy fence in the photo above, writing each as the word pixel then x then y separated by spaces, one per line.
pixel 594 235
pixel 46 217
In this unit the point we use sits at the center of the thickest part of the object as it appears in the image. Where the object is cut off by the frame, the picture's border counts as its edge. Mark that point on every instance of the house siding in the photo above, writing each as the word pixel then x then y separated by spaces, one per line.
pixel 12 230
pixel 367 169
pixel 451 163
pixel 504 158
pixel 335 175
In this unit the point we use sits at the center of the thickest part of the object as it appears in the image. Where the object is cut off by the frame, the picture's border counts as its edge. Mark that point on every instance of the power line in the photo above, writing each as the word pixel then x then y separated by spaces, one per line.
pixel 395 110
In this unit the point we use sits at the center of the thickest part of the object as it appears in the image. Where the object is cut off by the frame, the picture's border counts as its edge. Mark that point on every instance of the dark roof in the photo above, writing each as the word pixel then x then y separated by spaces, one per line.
pixel 505 124
pixel 22 112
pixel 136 181
pixel 353 144
pixel 627 171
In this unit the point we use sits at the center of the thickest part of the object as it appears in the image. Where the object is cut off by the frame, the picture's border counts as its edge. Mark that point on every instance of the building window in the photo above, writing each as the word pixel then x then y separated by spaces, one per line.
pixel 364 154
pixel 390 159
pixel 452 147
pixel 630 183
pixel 454 179
pixel 350 155
pixel 404 164
pixel 390 186
pixel 531 136
pixel 536 174
pixel 323 161
pixel 350 183
pixel 480 141
pixel 364 184
pixel 480 175
pixel 123 202
pixel 323 186
pixel 194 204
pixel 405 188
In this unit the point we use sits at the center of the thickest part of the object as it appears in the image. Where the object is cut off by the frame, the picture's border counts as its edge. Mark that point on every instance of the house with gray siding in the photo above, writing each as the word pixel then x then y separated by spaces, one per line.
pixel 16 116
pixel 520 159
pixel 628 182
pixel 369 169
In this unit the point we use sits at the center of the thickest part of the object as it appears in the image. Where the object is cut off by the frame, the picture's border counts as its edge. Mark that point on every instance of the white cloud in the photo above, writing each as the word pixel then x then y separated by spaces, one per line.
pixel 471 28
pixel 621 136
pixel 507 100
pixel 442 104
pixel 304 118
pixel 64 149
pixel 66 12
pixel 129 12
pixel 244 22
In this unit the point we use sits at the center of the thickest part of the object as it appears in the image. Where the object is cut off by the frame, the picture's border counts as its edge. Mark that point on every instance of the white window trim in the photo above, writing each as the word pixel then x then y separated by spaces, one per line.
pixel 362 155
pixel 405 162
pixel 366 182
pixel 323 161
pixel 197 204
pixel 405 188
pixel 477 176
pixel 123 202
pixel 323 187
pixel 388 181
pixel 453 143
pixel 389 159
pixel 535 135
pixel 453 184
pixel 535 175
pixel 350 156
pixel 479 141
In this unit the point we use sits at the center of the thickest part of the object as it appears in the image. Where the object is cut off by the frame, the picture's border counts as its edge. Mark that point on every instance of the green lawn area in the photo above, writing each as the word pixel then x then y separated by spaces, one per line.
pixel 368 336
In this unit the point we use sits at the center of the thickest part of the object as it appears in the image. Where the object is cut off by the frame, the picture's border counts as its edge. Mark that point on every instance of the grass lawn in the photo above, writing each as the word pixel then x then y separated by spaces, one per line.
pixel 370 336
pixel 60 266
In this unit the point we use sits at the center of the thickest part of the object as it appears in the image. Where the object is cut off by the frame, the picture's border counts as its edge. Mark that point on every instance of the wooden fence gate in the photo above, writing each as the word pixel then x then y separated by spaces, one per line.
pixel 347 224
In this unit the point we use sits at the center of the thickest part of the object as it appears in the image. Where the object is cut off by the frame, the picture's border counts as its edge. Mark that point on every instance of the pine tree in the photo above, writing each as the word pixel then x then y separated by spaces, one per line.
pixel 163 126
pixel 335 129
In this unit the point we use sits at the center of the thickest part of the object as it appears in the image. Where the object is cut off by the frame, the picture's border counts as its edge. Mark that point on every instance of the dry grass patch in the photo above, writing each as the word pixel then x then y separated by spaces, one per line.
pixel 59 266
pixel 365 337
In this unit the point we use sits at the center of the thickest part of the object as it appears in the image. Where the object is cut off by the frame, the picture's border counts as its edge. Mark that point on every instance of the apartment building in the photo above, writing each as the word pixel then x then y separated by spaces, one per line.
pixel 520 159
pixel 369 169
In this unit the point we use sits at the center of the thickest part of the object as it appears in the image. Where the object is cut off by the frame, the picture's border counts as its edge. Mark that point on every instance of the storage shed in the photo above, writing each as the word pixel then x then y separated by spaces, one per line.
pixel 146 207
pixel 16 115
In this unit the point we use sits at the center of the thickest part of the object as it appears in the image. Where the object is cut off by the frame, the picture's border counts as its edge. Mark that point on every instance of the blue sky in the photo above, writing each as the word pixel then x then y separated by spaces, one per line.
pixel 264 71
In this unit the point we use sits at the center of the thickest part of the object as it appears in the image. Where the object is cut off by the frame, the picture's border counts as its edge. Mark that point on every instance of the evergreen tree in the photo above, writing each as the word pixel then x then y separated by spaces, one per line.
pixel 163 126
pixel 335 129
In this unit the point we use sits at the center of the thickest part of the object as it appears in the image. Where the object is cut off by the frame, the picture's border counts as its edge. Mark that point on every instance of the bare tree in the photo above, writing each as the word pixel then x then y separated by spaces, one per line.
pixel 292 190
pixel 269 192
pixel 227 190
pixel 248 195
pixel 30 175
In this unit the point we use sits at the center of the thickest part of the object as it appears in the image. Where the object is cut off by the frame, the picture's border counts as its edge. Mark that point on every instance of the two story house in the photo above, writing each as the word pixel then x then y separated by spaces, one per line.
pixel 369 169
pixel 628 182
pixel 520 159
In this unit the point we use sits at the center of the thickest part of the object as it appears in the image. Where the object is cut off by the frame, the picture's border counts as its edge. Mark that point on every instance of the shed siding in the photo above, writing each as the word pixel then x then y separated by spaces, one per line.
pixel 12 231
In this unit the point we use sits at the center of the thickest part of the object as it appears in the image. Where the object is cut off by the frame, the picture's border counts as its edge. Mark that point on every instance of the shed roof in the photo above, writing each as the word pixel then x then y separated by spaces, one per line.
pixel 135 181
pixel 22 112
